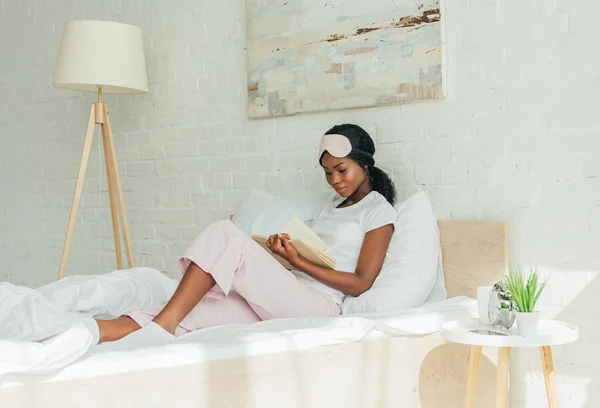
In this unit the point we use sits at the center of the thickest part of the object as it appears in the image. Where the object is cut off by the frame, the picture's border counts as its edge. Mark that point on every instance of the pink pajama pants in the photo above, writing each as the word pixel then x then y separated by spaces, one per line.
pixel 250 284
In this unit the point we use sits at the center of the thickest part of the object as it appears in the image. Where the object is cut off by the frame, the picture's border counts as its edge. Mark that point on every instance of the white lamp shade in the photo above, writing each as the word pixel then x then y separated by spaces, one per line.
pixel 101 54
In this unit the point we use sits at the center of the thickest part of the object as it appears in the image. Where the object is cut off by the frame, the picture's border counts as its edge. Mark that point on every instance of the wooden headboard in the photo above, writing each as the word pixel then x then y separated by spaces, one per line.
pixel 474 253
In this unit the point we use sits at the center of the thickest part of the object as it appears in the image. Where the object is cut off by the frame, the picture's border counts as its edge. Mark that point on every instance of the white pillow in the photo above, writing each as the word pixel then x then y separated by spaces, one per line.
pixel 307 204
pixel 412 271
pixel 245 214
pixel 264 214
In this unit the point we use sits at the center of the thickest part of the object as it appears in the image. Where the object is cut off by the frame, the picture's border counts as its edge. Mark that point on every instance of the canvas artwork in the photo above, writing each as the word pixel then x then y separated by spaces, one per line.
pixel 317 55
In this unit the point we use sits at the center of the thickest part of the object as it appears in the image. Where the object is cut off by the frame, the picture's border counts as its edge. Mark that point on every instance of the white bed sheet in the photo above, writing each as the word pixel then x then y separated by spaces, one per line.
pixel 269 337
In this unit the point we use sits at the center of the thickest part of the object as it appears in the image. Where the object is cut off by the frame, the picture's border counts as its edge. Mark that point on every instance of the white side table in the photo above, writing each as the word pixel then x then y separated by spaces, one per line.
pixel 550 333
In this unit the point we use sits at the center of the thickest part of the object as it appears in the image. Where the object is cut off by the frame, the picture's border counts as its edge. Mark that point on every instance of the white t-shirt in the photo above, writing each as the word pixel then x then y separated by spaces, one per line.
pixel 344 230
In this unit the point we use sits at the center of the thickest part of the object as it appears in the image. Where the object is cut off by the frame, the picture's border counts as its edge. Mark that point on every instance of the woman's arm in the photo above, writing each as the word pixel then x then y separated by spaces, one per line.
pixel 370 261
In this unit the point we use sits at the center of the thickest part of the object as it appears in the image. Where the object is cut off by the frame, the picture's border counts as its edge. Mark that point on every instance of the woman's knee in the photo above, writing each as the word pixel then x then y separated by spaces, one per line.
pixel 218 233
pixel 226 225
pixel 222 223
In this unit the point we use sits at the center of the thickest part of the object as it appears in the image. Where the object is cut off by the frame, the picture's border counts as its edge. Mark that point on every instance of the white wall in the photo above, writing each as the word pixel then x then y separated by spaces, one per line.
pixel 518 140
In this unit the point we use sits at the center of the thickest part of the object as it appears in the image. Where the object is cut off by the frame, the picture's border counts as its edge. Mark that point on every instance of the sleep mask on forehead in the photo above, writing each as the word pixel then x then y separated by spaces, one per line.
pixel 340 146
pixel 336 145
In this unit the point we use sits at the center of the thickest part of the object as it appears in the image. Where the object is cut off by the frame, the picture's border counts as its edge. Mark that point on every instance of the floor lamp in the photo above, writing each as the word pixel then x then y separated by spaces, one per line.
pixel 101 57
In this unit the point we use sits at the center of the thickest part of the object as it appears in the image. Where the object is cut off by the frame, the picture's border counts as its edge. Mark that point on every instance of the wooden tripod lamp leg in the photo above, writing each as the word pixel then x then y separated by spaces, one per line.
pixel 87 147
pixel 119 192
pixel 112 188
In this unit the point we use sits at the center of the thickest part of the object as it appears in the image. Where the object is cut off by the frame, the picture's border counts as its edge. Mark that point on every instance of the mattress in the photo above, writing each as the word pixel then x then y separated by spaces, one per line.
pixel 264 338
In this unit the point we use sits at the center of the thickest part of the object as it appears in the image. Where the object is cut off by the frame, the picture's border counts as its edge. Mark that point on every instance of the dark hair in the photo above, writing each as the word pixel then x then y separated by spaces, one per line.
pixel 362 153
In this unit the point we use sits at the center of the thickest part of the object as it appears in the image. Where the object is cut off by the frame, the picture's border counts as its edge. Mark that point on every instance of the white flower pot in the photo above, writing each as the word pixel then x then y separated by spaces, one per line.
pixel 528 323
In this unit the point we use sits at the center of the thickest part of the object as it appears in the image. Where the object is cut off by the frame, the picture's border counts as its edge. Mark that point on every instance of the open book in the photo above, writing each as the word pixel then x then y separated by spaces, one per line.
pixel 308 244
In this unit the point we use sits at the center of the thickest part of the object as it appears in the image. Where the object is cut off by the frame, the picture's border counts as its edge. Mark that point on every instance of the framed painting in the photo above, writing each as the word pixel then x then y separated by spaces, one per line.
pixel 318 55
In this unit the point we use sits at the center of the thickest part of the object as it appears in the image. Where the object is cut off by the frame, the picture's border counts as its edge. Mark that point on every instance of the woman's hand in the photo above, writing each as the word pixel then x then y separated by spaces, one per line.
pixel 280 244
pixel 370 261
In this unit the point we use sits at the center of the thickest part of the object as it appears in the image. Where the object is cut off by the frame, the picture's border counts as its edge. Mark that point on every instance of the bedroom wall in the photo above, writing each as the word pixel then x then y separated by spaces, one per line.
pixel 517 139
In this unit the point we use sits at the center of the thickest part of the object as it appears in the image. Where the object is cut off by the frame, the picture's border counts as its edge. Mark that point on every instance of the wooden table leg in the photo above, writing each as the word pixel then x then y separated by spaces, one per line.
pixel 502 377
pixel 473 376
pixel 548 367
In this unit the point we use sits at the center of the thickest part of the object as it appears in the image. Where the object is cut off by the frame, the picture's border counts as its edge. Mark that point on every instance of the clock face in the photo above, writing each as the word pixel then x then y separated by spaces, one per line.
pixel 494 307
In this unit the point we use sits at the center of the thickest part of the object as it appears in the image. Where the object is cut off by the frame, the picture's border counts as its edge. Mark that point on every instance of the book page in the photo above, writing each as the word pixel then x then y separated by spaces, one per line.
pixel 298 230
pixel 305 251
pixel 313 255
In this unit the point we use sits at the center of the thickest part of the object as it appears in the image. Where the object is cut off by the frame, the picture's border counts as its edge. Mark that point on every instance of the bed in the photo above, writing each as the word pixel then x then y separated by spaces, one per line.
pixel 418 370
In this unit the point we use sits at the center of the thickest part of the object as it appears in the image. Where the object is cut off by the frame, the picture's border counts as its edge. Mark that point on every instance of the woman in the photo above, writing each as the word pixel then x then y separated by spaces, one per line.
pixel 229 279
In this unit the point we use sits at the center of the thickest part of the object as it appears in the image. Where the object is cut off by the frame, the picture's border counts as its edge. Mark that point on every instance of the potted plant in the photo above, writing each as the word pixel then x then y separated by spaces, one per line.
pixel 525 287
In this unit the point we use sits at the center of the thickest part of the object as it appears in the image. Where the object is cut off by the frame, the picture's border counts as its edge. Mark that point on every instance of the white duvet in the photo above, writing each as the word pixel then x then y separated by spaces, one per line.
pixel 44 330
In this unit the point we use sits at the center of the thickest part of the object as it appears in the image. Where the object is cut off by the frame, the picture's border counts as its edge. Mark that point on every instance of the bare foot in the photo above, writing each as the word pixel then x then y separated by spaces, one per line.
pixel 111 330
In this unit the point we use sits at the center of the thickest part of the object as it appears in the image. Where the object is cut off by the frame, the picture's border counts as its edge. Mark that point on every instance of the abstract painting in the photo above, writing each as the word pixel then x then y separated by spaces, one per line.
pixel 318 55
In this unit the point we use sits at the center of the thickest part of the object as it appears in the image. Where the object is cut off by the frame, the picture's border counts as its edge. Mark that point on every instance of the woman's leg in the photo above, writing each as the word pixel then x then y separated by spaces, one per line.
pixel 223 260
pixel 194 285
pixel 222 256
pixel 214 246
pixel 192 288
pixel 115 329
pixel 209 312
pixel 239 264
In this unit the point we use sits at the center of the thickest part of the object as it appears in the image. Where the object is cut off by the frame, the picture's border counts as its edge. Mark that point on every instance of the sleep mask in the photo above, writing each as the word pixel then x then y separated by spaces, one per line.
pixel 336 145
pixel 340 146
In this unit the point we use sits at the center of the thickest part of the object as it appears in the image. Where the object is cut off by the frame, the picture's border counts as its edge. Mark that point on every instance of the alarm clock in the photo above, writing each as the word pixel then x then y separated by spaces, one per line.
pixel 502 308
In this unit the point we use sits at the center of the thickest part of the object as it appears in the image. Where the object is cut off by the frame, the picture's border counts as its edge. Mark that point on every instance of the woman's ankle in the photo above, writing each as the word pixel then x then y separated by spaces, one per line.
pixel 165 324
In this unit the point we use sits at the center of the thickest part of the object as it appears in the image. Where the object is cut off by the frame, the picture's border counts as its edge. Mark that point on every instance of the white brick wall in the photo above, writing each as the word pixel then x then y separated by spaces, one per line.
pixel 518 139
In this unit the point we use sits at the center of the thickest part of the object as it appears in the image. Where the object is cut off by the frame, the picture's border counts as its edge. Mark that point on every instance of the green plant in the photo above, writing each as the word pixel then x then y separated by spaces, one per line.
pixel 525 287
